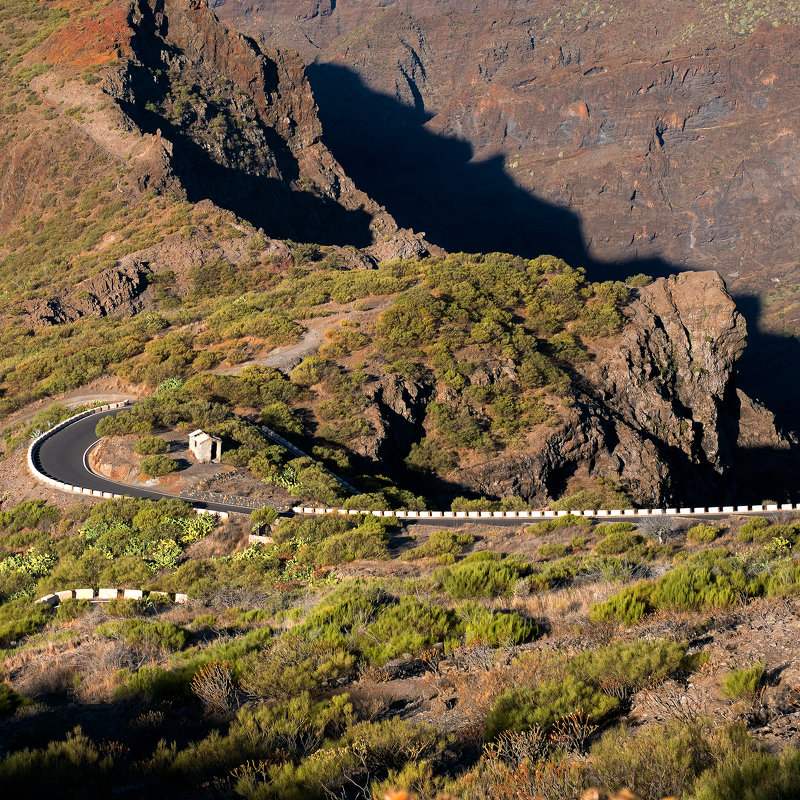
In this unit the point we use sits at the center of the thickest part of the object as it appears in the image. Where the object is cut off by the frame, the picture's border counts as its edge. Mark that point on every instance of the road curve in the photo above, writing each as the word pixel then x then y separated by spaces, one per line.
pixel 64 457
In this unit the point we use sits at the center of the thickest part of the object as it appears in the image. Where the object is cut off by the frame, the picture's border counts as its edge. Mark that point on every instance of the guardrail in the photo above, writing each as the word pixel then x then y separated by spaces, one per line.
pixel 624 513
pixel 43 477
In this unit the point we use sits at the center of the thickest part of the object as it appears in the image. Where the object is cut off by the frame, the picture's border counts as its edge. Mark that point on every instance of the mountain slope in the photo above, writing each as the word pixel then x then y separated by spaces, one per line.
pixel 624 137
pixel 156 162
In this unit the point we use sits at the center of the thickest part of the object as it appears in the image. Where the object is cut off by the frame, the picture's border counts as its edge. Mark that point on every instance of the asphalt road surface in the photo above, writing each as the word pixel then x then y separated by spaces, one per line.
pixel 64 456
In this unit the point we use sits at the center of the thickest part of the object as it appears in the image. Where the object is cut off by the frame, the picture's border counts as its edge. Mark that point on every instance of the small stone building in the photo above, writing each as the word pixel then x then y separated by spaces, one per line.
pixel 204 447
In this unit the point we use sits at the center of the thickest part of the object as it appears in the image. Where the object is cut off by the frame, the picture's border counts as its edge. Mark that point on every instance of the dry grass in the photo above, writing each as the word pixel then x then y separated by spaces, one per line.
pixel 84 666
pixel 565 610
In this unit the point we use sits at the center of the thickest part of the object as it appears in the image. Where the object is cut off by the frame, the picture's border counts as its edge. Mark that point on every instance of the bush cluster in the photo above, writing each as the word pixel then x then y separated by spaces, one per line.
pixel 444 546
pixel 710 579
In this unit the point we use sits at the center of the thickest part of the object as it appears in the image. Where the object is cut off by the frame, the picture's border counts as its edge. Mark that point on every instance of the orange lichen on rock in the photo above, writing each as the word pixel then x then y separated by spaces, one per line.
pixel 89 39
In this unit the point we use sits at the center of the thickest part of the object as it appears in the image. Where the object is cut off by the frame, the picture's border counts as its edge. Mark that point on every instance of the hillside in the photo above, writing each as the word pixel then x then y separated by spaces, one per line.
pixel 624 138
pixel 157 164
pixel 349 657
pixel 176 232
pixel 122 109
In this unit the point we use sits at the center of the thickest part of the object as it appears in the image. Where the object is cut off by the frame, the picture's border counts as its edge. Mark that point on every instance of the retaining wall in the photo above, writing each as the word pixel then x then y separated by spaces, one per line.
pixel 67 487
pixel 104 595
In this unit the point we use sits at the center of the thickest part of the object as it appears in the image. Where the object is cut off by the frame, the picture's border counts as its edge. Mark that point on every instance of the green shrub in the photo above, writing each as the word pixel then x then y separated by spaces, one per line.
pixel 520 708
pixel 28 514
pixel 125 607
pixel 440 545
pixel 607 528
pixel 627 606
pixel 366 753
pixel 280 417
pixel 578 542
pixel 366 541
pixel 18 619
pixel 754 527
pixel 484 578
pixel 139 631
pixel 484 504
pixel 604 496
pixel 632 663
pixel 617 542
pixel 10 701
pixel 410 626
pixel 74 764
pixel 565 521
pixel 754 776
pixel 150 446
pixel 554 573
pixel 697 584
pixel 340 618
pixel 293 664
pixel 654 762
pixel 155 683
pixel 72 609
pixel 428 456
pixel 743 682
pixel 709 579
pixel 496 628
pixel 263 516
pixel 156 466
pixel 703 534
pixel 553 550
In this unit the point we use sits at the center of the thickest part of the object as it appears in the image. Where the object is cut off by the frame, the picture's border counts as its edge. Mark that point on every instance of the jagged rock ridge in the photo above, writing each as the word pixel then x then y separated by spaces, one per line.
pixel 201 112
pixel 657 412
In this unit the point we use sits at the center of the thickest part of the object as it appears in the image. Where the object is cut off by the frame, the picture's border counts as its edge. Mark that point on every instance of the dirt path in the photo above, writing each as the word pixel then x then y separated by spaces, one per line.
pixel 310 341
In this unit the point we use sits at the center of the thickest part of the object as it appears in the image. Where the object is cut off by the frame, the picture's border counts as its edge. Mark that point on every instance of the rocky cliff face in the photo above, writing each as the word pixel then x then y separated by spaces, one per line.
pixel 119 291
pixel 241 124
pixel 656 412
pixel 201 112
pixel 598 133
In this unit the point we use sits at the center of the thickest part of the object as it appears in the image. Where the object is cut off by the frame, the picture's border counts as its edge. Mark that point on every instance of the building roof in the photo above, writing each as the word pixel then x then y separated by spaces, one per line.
pixel 200 436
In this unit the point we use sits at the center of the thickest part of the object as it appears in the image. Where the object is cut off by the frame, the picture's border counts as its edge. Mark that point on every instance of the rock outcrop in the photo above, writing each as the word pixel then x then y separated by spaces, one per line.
pixel 238 125
pixel 656 411
pixel 118 291
pixel 396 414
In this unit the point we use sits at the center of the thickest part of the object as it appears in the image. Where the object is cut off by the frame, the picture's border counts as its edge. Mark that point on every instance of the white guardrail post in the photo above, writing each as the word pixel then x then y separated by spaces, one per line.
pixel 104 595
pixel 598 513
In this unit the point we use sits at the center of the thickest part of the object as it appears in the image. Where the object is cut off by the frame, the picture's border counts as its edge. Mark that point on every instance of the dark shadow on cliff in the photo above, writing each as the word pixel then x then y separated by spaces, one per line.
pixel 265 202
pixel 768 368
pixel 430 183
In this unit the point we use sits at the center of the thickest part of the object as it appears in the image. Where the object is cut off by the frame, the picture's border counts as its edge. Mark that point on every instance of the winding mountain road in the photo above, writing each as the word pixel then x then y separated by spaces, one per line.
pixel 65 457
pixel 62 456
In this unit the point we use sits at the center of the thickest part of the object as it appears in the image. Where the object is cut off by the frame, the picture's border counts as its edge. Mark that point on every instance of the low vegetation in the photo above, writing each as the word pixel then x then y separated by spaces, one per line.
pixel 278 678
